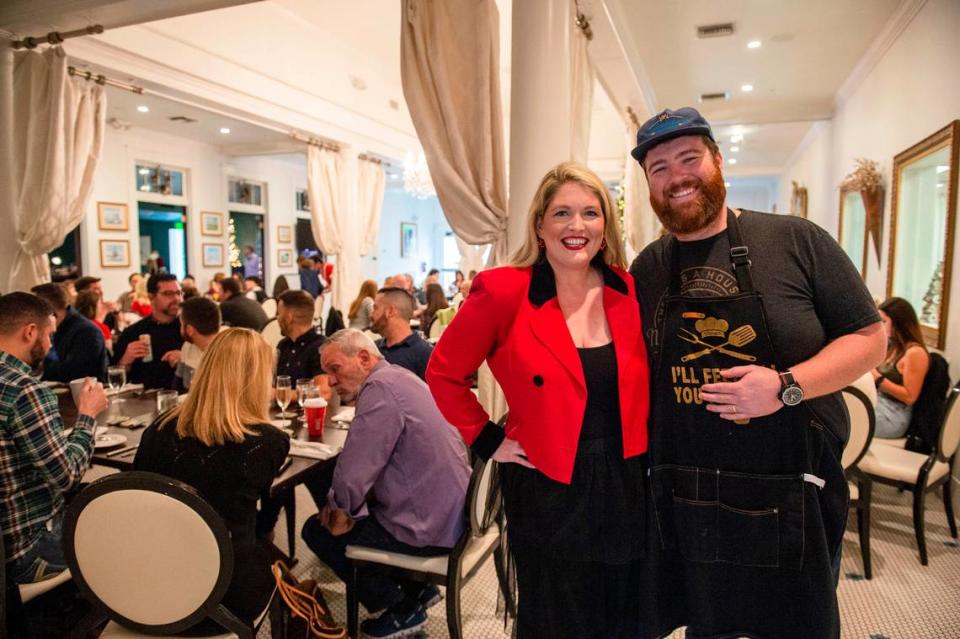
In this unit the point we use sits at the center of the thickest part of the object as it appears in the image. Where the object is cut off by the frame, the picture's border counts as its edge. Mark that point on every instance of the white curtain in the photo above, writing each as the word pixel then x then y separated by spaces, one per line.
pixel 641 224
pixel 327 214
pixel 581 95
pixel 54 148
pixel 371 181
pixel 449 62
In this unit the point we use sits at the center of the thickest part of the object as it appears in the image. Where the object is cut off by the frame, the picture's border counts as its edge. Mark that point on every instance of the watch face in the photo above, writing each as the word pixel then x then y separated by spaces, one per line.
pixel 792 395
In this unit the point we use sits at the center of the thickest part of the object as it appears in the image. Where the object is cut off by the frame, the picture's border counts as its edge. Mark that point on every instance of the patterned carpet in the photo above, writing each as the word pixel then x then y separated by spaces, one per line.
pixel 904 600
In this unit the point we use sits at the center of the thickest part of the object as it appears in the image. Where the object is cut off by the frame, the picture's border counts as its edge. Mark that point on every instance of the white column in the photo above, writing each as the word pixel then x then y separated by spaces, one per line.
pixel 539 101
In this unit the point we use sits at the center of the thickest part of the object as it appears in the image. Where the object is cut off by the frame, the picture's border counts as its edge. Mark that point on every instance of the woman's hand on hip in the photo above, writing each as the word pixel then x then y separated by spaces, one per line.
pixel 511 452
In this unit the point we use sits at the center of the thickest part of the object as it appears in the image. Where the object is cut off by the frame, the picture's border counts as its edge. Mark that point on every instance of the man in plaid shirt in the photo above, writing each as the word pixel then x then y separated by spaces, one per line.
pixel 38 463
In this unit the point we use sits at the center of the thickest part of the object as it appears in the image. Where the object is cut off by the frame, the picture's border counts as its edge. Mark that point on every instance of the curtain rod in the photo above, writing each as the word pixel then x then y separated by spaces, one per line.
pixel 57 37
pixel 369 157
pixel 296 135
pixel 583 23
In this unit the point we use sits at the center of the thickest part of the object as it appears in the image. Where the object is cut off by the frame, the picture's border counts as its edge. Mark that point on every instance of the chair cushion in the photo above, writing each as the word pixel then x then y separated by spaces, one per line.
pixel 432 565
pixel 116 631
pixel 899 465
pixel 900 442
pixel 34 590
pixel 854 491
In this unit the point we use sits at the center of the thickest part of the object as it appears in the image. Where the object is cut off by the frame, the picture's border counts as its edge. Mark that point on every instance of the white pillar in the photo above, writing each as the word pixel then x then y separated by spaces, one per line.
pixel 539 101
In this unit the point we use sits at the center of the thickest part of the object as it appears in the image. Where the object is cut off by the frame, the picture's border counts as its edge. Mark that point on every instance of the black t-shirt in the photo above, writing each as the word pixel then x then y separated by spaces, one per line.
pixel 300 358
pixel 163 339
pixel 812 293
pixel 231 478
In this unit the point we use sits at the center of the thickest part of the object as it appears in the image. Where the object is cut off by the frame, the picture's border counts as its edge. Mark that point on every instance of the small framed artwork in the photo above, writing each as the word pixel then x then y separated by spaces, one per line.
pixel 284 234
pixel 114 253
pixel 213 254
pixel 211 223
pixel 408 239
pixel 112 216
pixel 284 257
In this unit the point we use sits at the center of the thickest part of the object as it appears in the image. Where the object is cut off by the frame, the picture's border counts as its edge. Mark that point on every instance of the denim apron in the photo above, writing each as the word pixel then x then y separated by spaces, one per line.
pixel 741 510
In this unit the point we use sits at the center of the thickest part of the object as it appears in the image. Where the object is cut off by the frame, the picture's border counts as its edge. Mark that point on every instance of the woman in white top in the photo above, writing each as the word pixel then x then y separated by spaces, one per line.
pixel 362 306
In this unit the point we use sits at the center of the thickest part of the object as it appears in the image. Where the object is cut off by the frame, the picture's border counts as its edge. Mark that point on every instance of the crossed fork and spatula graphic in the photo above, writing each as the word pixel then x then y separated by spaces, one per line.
pixel 737 338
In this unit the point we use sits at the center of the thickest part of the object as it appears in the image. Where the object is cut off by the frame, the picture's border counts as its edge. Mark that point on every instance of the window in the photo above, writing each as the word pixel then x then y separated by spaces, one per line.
pixel 303 200
pixel 160 180
pixel 240 191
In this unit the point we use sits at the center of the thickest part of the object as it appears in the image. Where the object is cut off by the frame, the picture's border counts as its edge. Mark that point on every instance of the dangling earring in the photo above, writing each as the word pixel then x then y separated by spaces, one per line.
pixel 603 244
pixel 540 243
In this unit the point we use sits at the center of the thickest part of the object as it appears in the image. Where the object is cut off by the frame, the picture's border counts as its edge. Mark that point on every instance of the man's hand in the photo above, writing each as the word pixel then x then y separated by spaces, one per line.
pixel 754 392
pixel 336 521
pixel 92 399
pixel 135 350
pixel 172 358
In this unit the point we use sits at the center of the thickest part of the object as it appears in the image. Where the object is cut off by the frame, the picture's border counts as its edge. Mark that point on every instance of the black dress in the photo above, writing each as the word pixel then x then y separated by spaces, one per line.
pixel 577 546
pixel 231 478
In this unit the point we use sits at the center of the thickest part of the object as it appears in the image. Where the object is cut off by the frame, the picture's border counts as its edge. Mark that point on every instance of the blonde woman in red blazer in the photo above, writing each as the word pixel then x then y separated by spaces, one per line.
pixel 560 330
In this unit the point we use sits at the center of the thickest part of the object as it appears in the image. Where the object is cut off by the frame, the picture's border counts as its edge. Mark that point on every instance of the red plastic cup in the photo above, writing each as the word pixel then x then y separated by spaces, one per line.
pixel 315 413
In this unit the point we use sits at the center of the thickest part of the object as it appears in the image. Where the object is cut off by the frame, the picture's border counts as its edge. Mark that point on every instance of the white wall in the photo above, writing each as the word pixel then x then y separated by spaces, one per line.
pixel 912 92
pixel 753 193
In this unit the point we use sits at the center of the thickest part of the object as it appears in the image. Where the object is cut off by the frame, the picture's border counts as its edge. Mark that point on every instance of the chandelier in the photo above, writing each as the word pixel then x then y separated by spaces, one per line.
pixel 416 176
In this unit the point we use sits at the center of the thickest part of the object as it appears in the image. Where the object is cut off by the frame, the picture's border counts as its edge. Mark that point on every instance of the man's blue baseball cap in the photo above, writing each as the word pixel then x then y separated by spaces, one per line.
pixel 669 124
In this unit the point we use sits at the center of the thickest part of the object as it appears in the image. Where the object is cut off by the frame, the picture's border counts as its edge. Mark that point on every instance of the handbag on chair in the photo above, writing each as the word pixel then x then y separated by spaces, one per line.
pixel 305 611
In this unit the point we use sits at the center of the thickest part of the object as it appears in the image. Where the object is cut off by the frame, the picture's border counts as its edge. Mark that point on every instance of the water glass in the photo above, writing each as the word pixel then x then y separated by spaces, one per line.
pixel 166 399
pixel 303 388
pixel 116 378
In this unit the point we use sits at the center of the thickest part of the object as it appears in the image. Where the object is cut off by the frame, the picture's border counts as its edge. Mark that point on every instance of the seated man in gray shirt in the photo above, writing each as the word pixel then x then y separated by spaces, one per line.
pixel 403 451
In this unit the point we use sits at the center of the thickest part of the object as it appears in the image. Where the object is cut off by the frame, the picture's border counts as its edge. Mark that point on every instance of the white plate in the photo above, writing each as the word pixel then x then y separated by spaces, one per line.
pixel 108 441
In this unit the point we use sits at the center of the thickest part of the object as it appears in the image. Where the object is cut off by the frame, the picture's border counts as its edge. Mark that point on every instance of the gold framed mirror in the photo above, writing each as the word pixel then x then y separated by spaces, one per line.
pixel 853 233
pixel 922 227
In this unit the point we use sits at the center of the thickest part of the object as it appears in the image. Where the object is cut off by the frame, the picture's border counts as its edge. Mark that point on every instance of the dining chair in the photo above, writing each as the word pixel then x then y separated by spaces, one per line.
pixel 862 425
pixel 921 473
pixel 269 307
pixel 271 332
pixel 482 537
pixel 152 555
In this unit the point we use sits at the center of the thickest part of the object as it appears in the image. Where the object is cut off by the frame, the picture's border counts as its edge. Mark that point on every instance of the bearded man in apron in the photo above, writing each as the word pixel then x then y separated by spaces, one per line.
pixel 754 322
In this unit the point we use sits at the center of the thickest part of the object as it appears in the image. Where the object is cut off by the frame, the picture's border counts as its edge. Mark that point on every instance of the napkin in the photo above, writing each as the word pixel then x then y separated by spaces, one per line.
pixel 345 414
pixel 313 450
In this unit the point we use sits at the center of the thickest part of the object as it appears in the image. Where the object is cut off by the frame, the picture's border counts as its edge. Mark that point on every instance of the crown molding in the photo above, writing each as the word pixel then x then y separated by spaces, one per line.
pixel 895 26
pixel 814 132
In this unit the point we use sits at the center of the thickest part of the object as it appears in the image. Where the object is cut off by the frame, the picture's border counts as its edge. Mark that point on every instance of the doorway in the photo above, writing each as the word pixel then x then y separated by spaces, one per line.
pixel 163 238
pixel 246 229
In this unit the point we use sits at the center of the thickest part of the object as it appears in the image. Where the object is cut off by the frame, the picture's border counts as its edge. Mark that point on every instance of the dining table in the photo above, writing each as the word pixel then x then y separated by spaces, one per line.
pixel 121 425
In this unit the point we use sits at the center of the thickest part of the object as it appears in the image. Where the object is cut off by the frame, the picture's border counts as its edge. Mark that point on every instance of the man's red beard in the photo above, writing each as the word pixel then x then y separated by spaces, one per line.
pixel 696 214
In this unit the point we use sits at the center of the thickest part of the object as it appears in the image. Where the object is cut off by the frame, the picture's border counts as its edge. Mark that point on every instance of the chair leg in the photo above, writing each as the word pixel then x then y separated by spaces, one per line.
pixel 353 604
pixel 863 527
pixel 500 563
pixel 948 506
pixel 454 621
pixel 290 509
pixel 918 527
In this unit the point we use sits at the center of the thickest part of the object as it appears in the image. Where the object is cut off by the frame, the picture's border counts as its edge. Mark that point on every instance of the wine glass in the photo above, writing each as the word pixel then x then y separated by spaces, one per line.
pixel 303 391
pixel 116 378
pixel 284 392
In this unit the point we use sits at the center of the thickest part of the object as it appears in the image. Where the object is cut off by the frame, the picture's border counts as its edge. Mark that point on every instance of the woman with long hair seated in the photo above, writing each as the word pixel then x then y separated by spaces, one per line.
pixel 362 306
pixel 436 301
pixel 220 442
pixel 900 377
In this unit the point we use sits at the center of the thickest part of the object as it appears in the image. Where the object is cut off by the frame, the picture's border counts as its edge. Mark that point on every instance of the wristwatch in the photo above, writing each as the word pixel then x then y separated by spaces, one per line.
pixel 790 392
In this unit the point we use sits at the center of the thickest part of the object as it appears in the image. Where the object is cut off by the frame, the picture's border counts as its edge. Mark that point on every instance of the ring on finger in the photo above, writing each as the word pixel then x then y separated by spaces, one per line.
pixel 733 409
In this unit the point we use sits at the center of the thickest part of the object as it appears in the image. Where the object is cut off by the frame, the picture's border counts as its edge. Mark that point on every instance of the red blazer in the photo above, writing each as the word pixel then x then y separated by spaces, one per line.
pixel 512 319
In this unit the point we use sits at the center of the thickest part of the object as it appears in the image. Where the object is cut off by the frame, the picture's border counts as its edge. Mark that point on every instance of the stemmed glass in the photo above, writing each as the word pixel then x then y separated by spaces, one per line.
pixel 284 393
pixel 303 392
pixel 116 378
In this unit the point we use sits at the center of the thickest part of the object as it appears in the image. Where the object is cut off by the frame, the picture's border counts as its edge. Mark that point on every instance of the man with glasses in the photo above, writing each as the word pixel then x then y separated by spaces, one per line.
pixel 152 360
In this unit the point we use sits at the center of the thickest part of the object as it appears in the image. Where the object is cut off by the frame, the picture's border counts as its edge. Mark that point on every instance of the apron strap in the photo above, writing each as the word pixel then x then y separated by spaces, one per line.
pixel 739 258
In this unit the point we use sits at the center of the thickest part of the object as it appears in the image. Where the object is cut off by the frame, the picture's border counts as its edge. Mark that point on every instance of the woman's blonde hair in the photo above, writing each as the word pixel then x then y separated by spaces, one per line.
pixel 530 252
pixel 367 289
pixel 230 391
pixel 140 290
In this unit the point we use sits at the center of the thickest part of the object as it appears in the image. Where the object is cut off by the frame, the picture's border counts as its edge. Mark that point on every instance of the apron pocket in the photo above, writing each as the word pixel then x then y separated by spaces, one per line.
pixel 737 518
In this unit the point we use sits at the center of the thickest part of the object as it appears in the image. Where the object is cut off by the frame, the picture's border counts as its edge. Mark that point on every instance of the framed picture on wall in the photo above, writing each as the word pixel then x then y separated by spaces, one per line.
pixel 211 223
pixel 213 254
pixel 284 257
pixel 408 239
pixel 114 253
pixel 112 216
pixel 284 234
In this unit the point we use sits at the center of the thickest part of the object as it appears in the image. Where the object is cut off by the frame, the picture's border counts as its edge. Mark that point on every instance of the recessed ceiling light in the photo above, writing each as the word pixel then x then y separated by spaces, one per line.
pixel 732 161
pixel 754 44
pixel 143 108
pixel 734 149
pixel 746 88
pixel 726 184
pixel 224 130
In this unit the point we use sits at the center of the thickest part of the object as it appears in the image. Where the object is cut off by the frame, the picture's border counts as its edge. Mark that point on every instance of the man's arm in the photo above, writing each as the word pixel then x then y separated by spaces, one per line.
pixel 755 390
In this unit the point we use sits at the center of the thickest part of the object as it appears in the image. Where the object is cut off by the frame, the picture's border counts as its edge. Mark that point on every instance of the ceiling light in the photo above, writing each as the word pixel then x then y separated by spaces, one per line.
pixel 726 184
pixel 746 88
pixel 754 44
pixel 732 161
pixel 736 138
pixel 734 149
pixel 224 130
pixel 143 108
